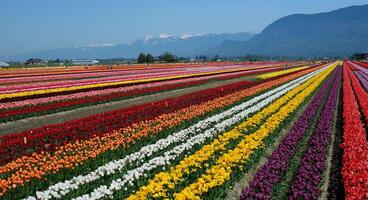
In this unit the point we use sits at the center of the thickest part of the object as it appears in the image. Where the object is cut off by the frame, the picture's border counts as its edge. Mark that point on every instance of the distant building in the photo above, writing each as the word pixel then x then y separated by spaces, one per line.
pixel 84 62
pixel 4 64
pixel 35 61
pixel 360 56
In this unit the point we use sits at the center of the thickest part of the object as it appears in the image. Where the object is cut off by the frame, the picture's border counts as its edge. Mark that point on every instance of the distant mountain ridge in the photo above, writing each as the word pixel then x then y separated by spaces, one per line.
pixel 183 45
pixel 337 33
pixel 341 32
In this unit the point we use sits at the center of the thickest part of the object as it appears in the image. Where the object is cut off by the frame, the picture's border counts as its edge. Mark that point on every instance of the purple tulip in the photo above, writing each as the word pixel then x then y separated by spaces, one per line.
pixel 363 78
pixel 309 175
pixel 271 172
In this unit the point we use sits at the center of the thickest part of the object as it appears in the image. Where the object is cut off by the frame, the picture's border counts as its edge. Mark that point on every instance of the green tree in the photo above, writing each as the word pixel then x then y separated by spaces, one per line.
pixel 142 58
pixel 149 58
pixel 168 57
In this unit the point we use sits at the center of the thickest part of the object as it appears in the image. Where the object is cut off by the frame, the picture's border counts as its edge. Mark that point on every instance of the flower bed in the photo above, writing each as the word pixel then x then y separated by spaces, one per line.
pixel 355 145
pixel 271 172
pixel 50 167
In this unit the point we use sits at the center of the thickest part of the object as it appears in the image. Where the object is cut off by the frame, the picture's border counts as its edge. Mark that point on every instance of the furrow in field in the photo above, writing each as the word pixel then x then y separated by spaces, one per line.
pixel 234 109
pixel 232 161
pixel 153 160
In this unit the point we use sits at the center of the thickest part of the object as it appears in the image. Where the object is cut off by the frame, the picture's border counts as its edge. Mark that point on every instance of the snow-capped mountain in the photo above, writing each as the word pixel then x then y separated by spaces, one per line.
pixel 181 45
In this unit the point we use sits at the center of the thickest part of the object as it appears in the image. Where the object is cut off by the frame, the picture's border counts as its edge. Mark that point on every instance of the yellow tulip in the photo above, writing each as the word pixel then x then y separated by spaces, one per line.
pixel 279 73
pixel 199 158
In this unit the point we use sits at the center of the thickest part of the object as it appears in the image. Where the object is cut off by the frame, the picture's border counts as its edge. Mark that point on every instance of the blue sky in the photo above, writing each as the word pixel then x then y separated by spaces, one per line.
pixel 31 25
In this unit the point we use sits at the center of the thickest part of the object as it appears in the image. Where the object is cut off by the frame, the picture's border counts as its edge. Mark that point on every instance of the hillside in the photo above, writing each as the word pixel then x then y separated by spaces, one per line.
pixel 337 33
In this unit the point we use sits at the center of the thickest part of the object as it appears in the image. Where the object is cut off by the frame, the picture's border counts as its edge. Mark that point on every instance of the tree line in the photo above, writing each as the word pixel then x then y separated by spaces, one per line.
pixel 165 57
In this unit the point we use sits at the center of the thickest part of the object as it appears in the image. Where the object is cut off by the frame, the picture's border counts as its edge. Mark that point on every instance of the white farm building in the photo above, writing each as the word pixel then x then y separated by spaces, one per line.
pixel 84 62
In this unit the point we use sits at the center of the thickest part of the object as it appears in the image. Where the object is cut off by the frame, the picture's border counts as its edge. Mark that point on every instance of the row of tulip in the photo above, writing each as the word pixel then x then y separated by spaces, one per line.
pixel 64 105
pixel 281 72
pixel 132 75
pixel 8 96
pixel 359 91
pixel 78 75
pixel 36 101
pixel 359 66
pixel 51 136
pixel 55 162
pixel 363 64
pixel 70 83
pixel 270 174
pixel 53 99
pixel 361 73
pixel 12 73
pixel 309 177
pixel 230 164
pixel 111 95
pixel 164 143
pixel 363 78
pixel 355 145
pixel 237 95
pixel 18 74
pixel 198 145
pixel 246 73
pixel 184 139
pixel 164 184
pixel 146 168
pixel 40 71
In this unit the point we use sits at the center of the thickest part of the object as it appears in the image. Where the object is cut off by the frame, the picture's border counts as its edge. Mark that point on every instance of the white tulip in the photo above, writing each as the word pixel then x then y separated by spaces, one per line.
pixel 193 135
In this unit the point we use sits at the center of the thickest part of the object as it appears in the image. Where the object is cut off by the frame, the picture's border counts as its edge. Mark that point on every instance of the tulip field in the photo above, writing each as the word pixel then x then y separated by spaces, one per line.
pixel 221 130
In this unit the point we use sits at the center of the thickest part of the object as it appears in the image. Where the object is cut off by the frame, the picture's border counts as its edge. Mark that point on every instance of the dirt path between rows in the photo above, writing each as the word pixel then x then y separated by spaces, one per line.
pixel 35 122
pixel 235 192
